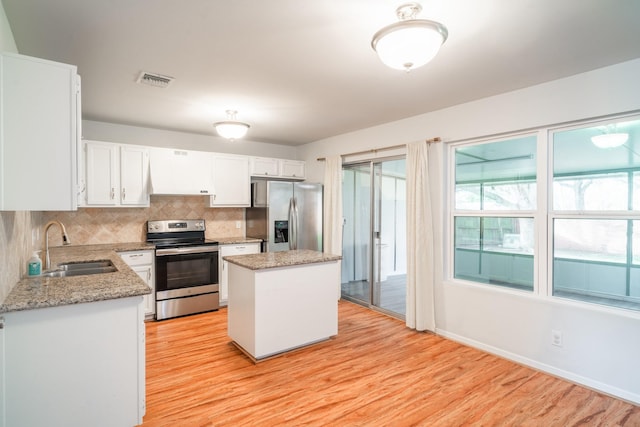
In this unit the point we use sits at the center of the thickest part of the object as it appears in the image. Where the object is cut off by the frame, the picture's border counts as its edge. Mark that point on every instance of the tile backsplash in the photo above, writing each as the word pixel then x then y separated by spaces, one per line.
pixel 114 225
pixel 15 247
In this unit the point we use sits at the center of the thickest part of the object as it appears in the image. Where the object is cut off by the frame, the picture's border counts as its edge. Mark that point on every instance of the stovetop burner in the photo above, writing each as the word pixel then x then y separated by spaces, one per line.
pixel 177 233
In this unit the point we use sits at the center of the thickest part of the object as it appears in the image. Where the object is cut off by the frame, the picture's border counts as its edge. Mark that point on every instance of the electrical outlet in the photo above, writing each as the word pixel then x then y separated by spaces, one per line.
pixel 238 224
pixel 556 338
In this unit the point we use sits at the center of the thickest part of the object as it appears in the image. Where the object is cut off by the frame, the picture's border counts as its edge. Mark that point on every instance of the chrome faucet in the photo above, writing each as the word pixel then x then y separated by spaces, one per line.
pixel 65 241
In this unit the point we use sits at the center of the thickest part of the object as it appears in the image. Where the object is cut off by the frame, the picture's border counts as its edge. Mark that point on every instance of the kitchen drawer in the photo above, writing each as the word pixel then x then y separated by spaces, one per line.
pixel 137 258
pixel 240 249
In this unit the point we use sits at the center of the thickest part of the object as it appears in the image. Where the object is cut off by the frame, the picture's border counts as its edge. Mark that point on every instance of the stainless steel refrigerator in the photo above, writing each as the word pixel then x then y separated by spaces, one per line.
pixel 285 215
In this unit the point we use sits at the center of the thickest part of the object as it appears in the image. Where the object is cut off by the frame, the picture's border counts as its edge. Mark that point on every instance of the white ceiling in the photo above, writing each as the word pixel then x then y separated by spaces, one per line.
pixel 299 71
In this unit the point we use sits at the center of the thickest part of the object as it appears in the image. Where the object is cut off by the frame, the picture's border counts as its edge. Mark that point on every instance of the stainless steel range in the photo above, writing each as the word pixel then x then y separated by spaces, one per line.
pixel 186 268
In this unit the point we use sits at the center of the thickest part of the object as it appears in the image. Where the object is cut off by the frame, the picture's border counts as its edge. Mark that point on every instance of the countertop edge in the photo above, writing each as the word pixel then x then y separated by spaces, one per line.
pixel 271 260
pixel 236 240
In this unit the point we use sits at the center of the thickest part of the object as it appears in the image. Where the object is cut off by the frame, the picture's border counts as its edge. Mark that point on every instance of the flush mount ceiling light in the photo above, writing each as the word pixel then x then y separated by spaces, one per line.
pixel 609 140
pixel 231 128
pixel 409 43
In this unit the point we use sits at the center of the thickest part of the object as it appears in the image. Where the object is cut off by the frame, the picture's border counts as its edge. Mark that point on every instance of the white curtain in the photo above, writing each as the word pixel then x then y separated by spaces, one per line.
pixel 424 232
pixel 332 215
pixel 332 222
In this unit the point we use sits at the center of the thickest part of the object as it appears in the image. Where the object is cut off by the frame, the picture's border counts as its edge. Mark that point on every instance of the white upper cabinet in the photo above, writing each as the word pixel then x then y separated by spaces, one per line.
pixel 102 173
pixel 117 174
pixel 231 180
pixel 292 169
pixel 39 112
pixel 180 172
pixel 264 166
pixel 277 168
pixel 134 175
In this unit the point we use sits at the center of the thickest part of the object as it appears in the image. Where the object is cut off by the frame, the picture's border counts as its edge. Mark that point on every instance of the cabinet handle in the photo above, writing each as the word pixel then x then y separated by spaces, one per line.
pixel 124 193
pixel 113 193
pixel 148 275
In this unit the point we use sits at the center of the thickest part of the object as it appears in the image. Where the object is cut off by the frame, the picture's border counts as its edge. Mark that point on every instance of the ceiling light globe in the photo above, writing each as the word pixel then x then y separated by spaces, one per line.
pixel 231 130
pixel 409 44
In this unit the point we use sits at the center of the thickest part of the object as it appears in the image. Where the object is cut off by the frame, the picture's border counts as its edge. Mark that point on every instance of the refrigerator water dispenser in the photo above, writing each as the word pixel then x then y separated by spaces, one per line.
pixel 281 231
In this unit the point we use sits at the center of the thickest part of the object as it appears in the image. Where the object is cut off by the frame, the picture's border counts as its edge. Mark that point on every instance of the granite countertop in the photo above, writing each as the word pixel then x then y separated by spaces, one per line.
pixel 41 292
pixel 266 260
pixel 236 240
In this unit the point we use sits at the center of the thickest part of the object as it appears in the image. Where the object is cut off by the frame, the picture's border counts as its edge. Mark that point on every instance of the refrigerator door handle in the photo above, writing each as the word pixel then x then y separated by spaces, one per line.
pixel 293 224
pixel 291 221
pixel 295 212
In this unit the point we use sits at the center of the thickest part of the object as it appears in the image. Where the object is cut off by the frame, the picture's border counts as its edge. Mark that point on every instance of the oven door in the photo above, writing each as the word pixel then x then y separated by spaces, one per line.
pixel 186 271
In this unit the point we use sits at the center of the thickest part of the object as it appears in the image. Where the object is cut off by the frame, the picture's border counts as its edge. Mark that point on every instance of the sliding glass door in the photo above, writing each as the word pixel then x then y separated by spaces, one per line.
pixel 374 235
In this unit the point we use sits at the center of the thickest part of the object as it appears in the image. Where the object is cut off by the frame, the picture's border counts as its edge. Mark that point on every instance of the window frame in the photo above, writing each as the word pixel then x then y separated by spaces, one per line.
pixel 543 215
pixel 629 215
pixel 534 213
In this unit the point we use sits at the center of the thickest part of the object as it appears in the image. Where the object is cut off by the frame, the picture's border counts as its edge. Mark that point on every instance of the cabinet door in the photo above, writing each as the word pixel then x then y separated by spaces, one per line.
pixel 264 166
pixel 292 169
pixel 75 365
pixel 231 180
pixel 143 263
pixel 145 273
pixel 38 135
pixel 102 178
pixel 134 175
pixel 228 250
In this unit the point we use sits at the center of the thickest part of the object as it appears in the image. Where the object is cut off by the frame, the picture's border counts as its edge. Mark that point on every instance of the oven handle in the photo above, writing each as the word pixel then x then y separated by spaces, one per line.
pixel 190 250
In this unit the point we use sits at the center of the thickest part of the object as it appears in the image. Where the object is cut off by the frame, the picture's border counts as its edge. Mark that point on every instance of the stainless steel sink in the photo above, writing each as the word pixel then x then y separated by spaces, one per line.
pixel 68 269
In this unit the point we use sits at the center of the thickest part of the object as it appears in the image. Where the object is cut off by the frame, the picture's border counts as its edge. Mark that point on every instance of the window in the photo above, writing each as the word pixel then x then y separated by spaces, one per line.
pixel 494 203
pixel 595 214
pixel 591 212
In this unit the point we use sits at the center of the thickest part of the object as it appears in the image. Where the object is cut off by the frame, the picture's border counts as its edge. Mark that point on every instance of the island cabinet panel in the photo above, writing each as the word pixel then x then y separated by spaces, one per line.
pixel 75 365
pixel 279 309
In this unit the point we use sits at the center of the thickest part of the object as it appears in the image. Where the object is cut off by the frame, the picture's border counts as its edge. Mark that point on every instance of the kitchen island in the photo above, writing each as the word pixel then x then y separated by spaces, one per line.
pixel 280 301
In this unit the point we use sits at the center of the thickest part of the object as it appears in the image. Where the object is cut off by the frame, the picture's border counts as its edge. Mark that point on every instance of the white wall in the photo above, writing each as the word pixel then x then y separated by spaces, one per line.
pixel 601 346
pixel 7 43
pixel 125 134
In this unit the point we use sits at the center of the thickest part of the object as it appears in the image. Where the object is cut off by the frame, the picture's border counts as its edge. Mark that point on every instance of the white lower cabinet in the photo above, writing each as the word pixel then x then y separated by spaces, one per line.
pixel 74 365
pixel 228 250
pixel 143 263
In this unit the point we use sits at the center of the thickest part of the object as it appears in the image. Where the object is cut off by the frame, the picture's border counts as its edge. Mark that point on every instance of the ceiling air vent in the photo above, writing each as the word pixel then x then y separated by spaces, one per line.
pixel 157 80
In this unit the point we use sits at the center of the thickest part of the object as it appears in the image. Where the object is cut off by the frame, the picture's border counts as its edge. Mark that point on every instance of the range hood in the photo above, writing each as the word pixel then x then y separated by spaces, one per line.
pixel 180 172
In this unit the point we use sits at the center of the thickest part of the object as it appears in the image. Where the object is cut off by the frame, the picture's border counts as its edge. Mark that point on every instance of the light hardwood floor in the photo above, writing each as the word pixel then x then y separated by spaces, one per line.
pixel 376 372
